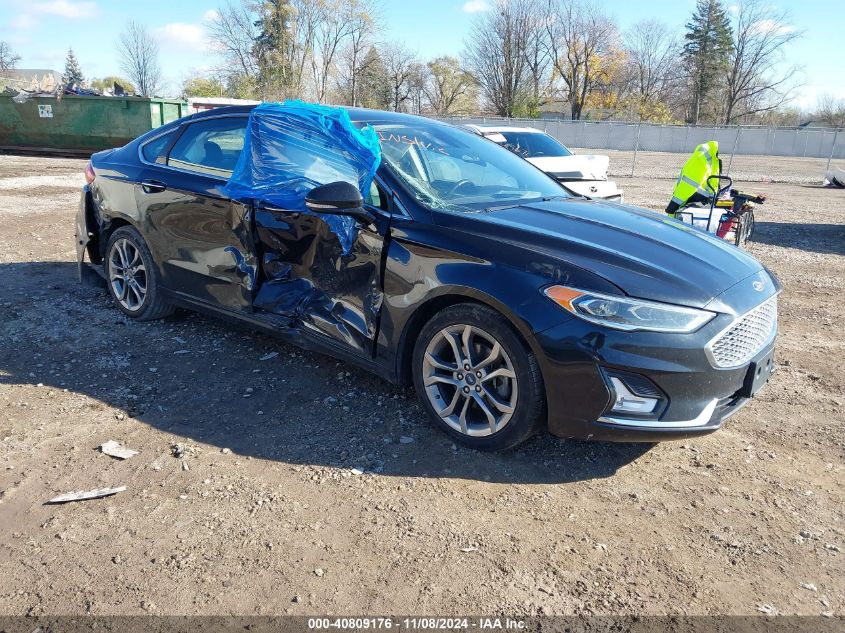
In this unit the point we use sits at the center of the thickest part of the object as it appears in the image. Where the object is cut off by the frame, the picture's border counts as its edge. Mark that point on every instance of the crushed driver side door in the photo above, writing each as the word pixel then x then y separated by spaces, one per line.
pixel 332 295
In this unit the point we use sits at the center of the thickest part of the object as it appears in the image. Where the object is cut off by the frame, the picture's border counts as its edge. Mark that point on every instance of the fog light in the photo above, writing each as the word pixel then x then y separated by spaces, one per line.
pixel 628 402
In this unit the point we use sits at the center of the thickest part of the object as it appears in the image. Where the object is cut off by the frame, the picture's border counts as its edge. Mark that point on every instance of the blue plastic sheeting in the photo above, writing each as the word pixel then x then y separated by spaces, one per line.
pixel 292 147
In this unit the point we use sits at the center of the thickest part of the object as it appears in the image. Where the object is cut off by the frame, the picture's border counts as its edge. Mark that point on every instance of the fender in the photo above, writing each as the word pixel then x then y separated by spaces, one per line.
pixel 419 283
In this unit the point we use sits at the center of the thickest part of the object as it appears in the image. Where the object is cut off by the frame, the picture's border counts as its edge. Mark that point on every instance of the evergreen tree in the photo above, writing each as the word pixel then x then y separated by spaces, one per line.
pixel 374 90
pixel 274 47
pixel 73 73
pixel 706 51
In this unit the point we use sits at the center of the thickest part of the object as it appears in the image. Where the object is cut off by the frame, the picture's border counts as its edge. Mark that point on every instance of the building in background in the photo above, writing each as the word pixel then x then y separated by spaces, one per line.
pixel 201 104
pixel 30 80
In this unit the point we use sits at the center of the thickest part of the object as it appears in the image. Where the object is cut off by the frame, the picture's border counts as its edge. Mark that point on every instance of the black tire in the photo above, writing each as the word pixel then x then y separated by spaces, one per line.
pixel 153 305
pixel 529 411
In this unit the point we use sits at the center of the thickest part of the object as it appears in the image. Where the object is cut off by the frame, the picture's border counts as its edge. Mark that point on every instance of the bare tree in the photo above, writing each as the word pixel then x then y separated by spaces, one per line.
pixel 579 38
pixel 330 32
pixel 757 80
pixel 652 51
pixel 447 86
pixel 8 58
pixel 308 15
pixel 398 63
pixel 266 46
pixel 360 15
pixel 281 48
pixel 831 111
pixel 138 52
pixel 496 53
pixel 537 51
pixel 416 86
pixel 232 33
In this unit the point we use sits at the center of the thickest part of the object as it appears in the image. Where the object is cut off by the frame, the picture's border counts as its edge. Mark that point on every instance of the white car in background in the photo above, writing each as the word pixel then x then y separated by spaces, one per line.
pixel 585 175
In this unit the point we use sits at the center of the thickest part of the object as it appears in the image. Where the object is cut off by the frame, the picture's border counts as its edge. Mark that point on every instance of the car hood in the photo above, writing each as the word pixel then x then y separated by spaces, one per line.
pixel 646 254
pixel 576 167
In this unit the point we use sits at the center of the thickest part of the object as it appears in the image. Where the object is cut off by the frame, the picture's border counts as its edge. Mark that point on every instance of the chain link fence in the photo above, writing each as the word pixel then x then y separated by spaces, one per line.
pixel 749 153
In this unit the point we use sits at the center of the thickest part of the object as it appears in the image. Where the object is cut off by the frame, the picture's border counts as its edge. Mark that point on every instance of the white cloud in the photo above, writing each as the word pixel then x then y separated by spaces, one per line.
pixel 181 36
pixel 66 9
pixel 474 6
pixel 60 8
pixel 210 15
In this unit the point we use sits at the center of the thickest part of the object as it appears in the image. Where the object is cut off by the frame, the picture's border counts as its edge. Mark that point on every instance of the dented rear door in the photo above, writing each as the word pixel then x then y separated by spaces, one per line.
pixel 202 240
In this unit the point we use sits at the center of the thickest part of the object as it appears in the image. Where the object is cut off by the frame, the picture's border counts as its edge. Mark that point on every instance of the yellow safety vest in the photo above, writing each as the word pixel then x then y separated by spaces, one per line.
pixel 703 163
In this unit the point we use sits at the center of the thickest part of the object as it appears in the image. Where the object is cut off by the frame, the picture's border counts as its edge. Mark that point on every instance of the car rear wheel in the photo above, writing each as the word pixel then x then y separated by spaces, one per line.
pixel 131 276
pixel 477 379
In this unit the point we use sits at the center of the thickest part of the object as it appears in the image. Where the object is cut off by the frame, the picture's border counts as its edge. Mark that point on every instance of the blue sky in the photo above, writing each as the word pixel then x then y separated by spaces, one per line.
pixel 41 31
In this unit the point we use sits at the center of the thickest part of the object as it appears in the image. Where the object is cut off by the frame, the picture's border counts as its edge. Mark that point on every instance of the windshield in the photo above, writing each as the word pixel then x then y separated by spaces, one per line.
pixel 533 145
pixel 447 168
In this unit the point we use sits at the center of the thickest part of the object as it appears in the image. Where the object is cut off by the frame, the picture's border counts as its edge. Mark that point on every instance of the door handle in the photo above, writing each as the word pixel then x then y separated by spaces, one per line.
pixel 153 186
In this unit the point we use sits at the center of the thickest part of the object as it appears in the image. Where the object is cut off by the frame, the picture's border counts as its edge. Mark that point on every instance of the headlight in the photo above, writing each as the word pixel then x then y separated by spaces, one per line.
pixel 624 313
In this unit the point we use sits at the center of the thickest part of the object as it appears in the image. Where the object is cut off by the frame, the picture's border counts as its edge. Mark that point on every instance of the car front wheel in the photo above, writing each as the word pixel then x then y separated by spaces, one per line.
pixel 131 276
pixel 477 379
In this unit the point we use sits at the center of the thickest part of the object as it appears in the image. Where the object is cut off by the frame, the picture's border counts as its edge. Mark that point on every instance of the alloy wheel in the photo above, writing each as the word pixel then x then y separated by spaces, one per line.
pixel 127 275
pixel 470 380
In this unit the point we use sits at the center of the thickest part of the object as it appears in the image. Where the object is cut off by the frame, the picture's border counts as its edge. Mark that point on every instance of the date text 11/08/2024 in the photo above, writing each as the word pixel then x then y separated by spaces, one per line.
pixel 416 623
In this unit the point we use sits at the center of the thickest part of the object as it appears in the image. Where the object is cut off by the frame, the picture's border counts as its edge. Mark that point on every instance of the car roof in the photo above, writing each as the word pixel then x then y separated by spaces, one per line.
pixel 358 115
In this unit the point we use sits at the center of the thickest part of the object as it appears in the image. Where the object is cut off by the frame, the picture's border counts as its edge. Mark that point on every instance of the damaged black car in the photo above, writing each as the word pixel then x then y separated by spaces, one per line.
pixel 432 257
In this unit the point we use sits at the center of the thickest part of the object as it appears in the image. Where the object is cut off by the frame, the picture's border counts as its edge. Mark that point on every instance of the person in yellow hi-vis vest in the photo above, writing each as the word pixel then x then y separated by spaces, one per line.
pixel 692 184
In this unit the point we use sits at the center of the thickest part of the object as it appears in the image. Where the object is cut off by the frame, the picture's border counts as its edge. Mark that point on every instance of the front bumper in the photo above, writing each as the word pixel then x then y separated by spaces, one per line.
pixel 695 396
pixel 700 398
pixel 714 411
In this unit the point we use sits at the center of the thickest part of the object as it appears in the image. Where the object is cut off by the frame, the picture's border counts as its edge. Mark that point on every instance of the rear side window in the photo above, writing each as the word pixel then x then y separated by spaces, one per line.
pixel 153 151
pixel 210 147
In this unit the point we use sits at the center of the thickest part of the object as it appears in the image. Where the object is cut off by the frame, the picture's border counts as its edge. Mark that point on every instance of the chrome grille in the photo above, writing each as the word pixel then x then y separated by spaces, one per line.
pixel 744 339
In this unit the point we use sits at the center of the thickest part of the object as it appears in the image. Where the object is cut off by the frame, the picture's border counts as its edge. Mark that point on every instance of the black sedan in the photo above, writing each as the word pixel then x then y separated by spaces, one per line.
pixel 511 307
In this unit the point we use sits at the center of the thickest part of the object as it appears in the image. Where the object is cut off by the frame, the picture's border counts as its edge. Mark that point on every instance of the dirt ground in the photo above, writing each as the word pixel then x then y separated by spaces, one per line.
pixel 304 485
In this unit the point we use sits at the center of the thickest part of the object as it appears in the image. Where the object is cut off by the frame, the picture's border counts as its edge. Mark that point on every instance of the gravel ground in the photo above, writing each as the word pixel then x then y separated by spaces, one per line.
pixel 743 169
pixel 299 484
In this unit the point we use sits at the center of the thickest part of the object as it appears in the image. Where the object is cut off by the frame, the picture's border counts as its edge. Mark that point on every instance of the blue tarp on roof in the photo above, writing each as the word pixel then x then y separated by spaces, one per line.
pixel 292 147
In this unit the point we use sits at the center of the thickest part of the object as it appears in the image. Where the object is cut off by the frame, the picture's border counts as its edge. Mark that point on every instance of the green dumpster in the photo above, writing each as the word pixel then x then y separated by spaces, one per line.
pixel 77 124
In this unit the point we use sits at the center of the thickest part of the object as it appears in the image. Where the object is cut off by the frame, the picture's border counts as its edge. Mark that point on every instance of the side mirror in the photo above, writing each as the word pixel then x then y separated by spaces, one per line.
pixel 338 198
